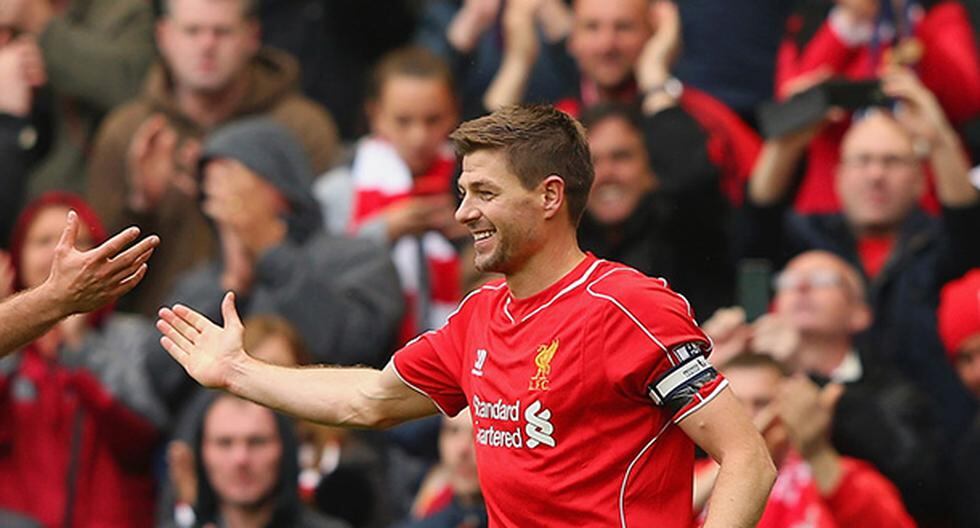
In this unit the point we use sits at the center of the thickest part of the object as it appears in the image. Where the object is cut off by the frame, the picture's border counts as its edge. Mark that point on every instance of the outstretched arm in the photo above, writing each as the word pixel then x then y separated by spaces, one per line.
pixel 79 281
pixel 349 397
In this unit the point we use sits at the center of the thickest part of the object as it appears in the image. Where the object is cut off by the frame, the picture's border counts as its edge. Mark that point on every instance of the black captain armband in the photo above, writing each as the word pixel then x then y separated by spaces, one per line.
pixel 677 387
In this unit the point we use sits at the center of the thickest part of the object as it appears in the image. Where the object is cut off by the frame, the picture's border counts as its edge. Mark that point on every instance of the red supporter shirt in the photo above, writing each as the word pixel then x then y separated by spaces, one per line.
pixel 560 386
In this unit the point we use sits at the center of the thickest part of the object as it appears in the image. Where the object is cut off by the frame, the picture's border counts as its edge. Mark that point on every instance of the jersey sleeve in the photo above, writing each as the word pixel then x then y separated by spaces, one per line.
pixel 654 348
pixel 430 364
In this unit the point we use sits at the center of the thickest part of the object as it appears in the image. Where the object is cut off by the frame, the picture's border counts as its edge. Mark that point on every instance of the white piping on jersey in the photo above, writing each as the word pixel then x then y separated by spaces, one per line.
pixel 633 318
pixel 629 314
pixel 578 282
pixel 394 368
pixel 507 312
pixel 626 476
pixel 721 386
pixel 486 287
pixel 629 469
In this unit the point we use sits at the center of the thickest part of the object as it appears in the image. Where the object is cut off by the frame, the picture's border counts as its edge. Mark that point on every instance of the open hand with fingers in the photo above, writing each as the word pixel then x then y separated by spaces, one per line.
pixel 208 352
pixel 85 280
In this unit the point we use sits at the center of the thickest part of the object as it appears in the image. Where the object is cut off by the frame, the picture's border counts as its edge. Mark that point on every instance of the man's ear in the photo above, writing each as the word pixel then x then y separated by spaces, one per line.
pixel 552 194
pixel 861 318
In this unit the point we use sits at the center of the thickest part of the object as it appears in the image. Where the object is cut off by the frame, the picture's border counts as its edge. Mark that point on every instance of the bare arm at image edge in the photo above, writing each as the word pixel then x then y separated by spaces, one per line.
pixel 723 429
pixel 348 397
pixel 79 281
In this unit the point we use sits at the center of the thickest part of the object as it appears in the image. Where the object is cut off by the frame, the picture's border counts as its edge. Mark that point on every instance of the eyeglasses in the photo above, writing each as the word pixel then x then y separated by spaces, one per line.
pixel 814 279
pixel 888 161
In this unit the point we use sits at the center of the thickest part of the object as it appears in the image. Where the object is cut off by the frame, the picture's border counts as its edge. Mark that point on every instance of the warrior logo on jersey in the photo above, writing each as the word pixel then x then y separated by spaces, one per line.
pixel 539 382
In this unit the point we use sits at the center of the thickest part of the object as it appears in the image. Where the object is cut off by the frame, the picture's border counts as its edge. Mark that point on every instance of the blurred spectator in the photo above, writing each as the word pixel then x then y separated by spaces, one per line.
pixel 815 486
pixel 398 190
pixel 339 473
pixel 21 137
pixel 625 50
pixel 734 62
pixel 818 310
pixel 244 470
pixel 450 497
pixel 959 327
pixel 91 56
pixel 212 71
pixel 904 254
pixel 336 42
pixel 640 209
pixel 77 422
pixel 469 35
pixel 857 40
pixel 341 294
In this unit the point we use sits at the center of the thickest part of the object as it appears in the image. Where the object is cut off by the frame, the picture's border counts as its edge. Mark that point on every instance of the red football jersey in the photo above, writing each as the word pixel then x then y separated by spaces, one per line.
pixel 563 389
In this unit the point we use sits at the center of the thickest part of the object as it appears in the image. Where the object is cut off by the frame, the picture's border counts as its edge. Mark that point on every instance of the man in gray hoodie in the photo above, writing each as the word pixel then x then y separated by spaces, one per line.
pixel 341 294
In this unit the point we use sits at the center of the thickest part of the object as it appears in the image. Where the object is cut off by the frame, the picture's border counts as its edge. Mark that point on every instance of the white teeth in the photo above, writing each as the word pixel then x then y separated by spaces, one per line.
pixel 482 235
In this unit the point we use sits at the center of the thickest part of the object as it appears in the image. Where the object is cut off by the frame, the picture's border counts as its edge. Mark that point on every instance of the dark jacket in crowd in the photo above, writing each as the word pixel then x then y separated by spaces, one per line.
pixel 289 511
pixel 904 296
pixel 341 294
pixel 680 231
pixel 454 515
pixel 885 420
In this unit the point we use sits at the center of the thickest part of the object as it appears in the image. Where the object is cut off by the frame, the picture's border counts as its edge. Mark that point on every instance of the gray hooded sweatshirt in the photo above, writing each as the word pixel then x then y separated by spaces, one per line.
pixel 342 294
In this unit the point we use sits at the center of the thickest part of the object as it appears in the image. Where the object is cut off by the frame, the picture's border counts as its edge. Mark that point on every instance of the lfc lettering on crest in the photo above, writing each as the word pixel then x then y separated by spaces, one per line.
pixel 539 381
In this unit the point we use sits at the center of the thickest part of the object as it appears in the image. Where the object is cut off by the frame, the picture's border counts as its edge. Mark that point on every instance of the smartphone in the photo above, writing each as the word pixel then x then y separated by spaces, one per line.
pixel 753 285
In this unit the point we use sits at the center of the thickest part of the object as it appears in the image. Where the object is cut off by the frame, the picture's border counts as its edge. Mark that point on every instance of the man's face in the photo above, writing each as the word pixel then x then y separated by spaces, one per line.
pixel 500 213
pixel 967 364
pixel 757 388
pixel 622 171
pixel 457 454
pixel 206 43
pixel 241 452
pixel 879 179
pixel 416 115
pixel 40 241
pixel 813 291
pixel 607 39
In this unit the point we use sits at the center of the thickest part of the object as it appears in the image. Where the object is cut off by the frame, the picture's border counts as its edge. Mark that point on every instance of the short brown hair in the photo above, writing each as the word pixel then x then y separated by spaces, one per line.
pixel 537 141
pixel 411 61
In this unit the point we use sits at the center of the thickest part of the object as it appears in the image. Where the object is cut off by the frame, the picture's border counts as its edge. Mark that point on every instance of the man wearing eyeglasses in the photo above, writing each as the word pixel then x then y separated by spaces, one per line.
pixel 904 254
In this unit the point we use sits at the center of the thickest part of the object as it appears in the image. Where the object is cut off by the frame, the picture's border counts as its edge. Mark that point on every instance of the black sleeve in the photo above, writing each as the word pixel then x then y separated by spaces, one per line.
pixel 893 426
pixel 15 161
pixel 961 252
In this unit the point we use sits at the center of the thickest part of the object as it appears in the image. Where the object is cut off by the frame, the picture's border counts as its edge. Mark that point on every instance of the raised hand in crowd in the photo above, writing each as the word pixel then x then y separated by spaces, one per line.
pixel 807 411
pixel 521 48
pixel 157 161
pixel 662 49
pixel 181 468
pixel 418 214
pixel 918 111
pixel 470 22
pixel 244 205
pixel 21 70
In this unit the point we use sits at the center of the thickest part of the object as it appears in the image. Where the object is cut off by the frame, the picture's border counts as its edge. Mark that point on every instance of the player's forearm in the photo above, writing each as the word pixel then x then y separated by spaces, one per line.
pixel 740 493
pixel 328 395
pixel 25 316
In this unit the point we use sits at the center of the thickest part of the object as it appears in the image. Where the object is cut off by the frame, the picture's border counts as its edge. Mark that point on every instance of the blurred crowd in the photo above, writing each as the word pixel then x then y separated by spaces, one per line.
pixel 805 172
